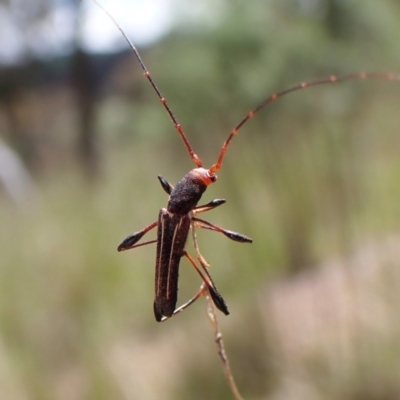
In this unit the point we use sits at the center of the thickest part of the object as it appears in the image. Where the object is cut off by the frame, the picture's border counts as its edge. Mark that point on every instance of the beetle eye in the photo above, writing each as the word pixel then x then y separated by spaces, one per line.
pixel 213 178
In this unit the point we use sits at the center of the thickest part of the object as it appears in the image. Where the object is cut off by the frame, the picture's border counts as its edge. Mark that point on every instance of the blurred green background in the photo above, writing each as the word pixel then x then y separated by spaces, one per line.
pixel 313 179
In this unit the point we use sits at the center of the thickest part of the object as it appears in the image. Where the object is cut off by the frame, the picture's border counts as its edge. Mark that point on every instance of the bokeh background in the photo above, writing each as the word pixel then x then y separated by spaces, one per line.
pixel 313 179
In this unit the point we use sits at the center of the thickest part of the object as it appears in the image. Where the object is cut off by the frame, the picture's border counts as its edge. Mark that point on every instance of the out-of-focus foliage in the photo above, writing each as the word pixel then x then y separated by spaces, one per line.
pixel 312 178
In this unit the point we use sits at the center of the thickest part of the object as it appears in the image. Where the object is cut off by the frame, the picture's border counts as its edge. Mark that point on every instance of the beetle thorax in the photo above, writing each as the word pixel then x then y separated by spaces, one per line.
pixel 188 191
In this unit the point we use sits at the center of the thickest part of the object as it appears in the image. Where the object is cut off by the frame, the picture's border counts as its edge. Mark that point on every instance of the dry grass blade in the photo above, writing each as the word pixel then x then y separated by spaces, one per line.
pixel 221 348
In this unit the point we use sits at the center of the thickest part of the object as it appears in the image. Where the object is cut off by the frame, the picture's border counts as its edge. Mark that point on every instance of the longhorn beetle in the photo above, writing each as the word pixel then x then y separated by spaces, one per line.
pixel 175 222
pixel 180 216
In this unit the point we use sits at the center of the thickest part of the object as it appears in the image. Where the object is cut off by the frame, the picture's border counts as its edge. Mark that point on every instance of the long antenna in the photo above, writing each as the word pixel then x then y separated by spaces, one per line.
pixel 389 76
pixel 146 73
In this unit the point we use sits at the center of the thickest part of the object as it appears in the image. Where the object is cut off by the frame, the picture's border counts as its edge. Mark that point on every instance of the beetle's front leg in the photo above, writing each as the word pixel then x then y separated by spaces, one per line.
pixel 168 188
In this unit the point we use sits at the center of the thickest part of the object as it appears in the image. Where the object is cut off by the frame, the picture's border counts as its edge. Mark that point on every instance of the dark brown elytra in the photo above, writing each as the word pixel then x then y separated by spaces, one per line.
pixel 179 218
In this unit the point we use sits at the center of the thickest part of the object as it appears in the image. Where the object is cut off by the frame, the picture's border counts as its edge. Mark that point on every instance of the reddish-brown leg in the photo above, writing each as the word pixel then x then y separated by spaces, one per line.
pixel 130 241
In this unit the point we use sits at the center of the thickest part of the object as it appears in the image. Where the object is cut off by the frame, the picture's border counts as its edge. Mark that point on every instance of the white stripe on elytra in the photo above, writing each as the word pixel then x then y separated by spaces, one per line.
pixel 160 257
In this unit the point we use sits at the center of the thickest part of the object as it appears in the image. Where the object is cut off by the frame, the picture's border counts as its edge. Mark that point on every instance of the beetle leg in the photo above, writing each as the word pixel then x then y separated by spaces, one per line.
pixel 212 289
pixel 188 303
pixel 209 206
pixel 130 241
pixel 237 237
pixel 165 184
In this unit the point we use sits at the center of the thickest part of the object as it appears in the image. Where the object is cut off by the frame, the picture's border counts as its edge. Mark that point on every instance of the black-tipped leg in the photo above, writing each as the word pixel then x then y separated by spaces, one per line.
pixel 130 241
pixel 165 184
pixel 208 282
pixel 237 237
pixel 209 206
pixel 212 289
pixel 218 300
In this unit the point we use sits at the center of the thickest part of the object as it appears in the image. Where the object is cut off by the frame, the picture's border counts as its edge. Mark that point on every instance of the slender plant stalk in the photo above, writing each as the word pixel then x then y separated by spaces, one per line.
pixel 221 348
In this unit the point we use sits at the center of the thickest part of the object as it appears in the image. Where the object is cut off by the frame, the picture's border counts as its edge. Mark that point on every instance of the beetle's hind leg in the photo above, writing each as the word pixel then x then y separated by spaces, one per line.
pixel 200 293
pixel 210 285
pixel 207 287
